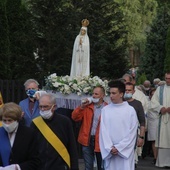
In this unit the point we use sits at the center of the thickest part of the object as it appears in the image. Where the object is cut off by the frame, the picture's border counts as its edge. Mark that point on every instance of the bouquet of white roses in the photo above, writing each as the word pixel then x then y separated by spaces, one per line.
pixel 77 85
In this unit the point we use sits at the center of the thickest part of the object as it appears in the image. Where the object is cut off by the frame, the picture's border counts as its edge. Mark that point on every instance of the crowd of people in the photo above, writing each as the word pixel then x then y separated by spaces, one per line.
pixel 136 122
pixel 33 136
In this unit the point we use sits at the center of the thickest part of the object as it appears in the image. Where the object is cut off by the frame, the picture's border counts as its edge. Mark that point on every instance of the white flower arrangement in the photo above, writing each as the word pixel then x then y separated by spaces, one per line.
pixel 78 85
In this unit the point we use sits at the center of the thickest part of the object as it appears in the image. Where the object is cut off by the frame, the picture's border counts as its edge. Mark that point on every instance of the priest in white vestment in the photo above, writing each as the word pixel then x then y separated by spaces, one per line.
pixel 80 65
pixel 118 131
pixel 161 102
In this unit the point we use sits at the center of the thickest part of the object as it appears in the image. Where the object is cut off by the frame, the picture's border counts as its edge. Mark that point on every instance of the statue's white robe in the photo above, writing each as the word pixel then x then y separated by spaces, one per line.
pixel 80 65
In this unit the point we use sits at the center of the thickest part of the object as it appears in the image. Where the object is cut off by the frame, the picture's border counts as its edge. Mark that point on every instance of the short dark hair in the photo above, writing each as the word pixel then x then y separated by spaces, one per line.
pixel 117 84
pixel 130 84
pixel 168 72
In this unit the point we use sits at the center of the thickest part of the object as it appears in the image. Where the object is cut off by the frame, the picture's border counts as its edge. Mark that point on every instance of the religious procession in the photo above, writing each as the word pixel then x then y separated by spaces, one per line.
pixel 96 100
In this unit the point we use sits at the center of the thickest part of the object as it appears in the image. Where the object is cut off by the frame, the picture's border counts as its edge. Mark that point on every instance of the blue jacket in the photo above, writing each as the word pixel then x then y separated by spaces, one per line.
pixel 24 104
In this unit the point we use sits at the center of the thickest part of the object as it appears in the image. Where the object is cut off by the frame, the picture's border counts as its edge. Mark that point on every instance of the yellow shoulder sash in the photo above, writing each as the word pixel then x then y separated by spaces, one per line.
pixel 0 123
pixel 52 139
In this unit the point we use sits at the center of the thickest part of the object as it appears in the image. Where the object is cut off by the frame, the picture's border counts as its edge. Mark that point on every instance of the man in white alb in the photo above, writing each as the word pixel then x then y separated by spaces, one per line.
pixel 161 102
pixel 118 130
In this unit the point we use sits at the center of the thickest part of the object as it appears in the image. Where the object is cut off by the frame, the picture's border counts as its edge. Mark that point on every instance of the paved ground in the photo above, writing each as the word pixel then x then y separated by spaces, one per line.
pixel 144 164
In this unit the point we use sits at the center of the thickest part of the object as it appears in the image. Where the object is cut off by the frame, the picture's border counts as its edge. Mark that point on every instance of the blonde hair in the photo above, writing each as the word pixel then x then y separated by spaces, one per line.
pixel 11 110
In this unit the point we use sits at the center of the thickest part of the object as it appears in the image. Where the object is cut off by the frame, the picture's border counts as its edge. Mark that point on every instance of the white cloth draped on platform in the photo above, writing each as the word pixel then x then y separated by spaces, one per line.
pixel 70 101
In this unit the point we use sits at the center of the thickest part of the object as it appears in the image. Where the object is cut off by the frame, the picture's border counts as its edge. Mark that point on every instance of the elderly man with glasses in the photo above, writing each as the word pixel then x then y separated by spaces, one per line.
pixel 57 145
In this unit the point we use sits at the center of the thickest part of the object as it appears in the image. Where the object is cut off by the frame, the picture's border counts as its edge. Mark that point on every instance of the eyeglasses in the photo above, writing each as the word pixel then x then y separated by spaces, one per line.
pixel 45 106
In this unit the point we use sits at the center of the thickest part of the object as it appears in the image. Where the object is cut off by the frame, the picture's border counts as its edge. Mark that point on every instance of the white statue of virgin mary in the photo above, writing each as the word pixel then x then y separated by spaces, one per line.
pixel 80 65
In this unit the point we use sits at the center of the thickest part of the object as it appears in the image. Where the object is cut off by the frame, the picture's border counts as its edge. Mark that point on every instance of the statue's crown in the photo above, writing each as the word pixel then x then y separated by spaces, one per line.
pixel 85 22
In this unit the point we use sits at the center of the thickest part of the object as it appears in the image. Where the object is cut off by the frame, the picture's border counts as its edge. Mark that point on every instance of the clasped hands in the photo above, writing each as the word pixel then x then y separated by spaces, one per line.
pixel 165 110
pixel 80 42
pixel 114 151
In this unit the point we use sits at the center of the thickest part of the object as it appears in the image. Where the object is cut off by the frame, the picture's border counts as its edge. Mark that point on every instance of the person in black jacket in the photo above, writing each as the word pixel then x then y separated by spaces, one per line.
pixel 60 127
pixel 18 144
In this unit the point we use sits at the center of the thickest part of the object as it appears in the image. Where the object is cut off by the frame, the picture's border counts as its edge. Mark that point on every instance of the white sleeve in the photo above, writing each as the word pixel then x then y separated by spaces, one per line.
pixel 155 105
pixel 126 146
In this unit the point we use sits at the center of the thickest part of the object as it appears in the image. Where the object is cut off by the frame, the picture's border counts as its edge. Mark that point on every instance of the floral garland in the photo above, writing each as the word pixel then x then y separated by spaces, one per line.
pixel 78 85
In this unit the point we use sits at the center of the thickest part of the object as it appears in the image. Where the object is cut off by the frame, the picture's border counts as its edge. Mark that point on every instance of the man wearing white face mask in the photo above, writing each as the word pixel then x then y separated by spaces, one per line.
pixel 137 105
pixel 55 134
pixel 89 115
pixel 18 144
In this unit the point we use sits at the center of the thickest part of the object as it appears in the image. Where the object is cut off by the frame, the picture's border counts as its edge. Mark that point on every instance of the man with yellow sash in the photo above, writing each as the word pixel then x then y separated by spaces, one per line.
pixel 57 144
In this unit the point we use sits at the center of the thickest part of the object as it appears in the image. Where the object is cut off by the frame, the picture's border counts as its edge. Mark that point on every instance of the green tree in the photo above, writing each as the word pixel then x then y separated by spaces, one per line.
pixel 17 59
pixel 114 26
pixel 138 15
pixel 4 41
pixel 141 79
pixel 54 23
pixel 167 48
pixel 153 59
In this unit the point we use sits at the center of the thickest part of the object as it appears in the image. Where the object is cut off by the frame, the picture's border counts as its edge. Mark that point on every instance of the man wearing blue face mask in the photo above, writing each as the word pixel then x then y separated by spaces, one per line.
pixel 137 105
pixel 30 105
pixel 89 115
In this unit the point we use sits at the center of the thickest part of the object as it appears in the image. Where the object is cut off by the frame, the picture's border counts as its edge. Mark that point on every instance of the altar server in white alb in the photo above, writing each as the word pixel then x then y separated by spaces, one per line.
pixel 161 102
pixel 118 130
pixel 80 65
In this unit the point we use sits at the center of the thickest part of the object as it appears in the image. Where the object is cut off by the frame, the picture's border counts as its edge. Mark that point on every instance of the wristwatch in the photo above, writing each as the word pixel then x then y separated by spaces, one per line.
pixel 142 137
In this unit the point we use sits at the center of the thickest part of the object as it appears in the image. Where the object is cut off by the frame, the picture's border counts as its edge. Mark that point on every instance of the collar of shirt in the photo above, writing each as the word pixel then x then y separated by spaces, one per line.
pixel 12 136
